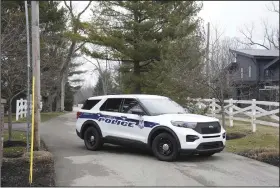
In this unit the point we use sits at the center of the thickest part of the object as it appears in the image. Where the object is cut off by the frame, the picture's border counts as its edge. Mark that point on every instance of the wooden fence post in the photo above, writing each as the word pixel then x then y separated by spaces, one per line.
pixel 21 108
pixel 17 110
pixel 230 112
pixel 253 121
pixel 213 109
pixel 199 103
pixel 2 102
pixel 25 108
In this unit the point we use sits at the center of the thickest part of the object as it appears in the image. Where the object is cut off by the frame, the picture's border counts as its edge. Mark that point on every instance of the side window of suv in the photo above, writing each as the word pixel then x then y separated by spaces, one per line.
pixel 129 105
pixel 111 105
pixel 89 104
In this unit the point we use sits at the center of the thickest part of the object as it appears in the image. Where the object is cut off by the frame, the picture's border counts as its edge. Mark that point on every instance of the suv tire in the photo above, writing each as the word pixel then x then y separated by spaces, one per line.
pixel 92 139
pixel 165 147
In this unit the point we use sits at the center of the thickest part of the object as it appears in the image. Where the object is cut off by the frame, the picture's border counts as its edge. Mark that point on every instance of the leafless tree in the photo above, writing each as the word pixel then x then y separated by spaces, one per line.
pixel 74 46
pixel 271 33
pixel 103 68
pixel 13 60
pixel 218 79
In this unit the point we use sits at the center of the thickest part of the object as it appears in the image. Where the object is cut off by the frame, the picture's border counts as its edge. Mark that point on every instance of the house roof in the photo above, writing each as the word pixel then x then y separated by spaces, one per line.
pixel 276 60
pixel 258 52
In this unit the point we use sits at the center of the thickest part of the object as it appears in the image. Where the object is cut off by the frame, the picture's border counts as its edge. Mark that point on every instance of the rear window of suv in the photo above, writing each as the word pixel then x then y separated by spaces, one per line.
pixel 89 104
pixel 111 105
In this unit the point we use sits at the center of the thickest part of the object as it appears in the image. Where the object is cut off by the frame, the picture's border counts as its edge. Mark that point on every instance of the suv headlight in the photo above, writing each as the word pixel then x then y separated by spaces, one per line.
pixel 190 125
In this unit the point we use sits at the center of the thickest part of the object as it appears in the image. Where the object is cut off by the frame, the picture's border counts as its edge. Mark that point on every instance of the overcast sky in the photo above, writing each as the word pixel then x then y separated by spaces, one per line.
pixel 229 16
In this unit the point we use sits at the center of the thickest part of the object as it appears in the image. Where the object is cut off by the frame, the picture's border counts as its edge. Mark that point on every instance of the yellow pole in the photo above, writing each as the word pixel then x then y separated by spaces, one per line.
pixel 32 132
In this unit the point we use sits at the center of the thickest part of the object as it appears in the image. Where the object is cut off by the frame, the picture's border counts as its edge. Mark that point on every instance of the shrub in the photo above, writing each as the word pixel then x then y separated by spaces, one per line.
pixel 235 135
pixel 270 156
pixel 15 171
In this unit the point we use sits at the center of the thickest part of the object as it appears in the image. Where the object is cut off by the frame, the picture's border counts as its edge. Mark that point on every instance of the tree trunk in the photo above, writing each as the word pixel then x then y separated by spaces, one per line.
pixel 50 103
pixel 223 114
pixel 10 122
pixel 64 72
pixel 104 82
pixel 57 106
pixel 222 103
pixel 47 106
pixel 62 88
pixel 1 131
pixel 137 78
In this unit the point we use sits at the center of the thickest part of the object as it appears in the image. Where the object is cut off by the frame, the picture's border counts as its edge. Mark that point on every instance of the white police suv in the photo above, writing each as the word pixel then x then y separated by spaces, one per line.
pixel 155 121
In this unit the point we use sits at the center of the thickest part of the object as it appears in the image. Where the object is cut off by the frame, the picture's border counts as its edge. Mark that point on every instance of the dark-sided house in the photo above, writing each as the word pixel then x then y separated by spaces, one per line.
pixel 254 74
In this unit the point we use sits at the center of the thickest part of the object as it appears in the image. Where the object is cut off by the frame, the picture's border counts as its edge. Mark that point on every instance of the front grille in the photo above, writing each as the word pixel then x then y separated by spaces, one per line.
pixel 210 145
pixel 215 136
pixel 208 127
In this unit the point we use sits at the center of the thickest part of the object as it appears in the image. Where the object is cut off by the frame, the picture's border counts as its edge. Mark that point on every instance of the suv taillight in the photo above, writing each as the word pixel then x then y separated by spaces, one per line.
pixel 78 114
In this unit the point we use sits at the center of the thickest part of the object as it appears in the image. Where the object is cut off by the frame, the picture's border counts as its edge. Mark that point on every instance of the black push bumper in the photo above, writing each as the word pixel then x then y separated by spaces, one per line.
pixel 207 147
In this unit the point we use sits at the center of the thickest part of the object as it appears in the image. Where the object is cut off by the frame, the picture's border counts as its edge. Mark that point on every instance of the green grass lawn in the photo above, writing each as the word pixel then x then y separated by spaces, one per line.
pixel 18 136
pixel 267 118
pixel 264 138
pixel 21 136
pixel 44 117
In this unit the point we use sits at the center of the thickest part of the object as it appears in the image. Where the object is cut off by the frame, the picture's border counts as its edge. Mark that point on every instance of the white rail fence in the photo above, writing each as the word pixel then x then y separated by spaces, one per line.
pixel 77 107
pixel 21 108
pixel 252 111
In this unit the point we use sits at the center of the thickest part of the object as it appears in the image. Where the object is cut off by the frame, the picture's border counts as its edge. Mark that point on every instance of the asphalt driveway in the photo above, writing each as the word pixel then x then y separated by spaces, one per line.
pixel 119 166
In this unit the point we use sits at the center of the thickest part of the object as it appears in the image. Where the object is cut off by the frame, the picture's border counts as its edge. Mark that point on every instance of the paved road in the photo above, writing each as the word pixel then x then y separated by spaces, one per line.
pixel 118 166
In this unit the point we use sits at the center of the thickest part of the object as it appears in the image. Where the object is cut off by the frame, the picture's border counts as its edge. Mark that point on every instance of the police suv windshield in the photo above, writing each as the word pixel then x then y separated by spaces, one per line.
pixel 162 106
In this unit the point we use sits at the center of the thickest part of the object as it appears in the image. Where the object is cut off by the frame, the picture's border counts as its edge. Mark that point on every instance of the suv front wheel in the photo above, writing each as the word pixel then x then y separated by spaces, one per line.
pixel 165 147
pixel 92 139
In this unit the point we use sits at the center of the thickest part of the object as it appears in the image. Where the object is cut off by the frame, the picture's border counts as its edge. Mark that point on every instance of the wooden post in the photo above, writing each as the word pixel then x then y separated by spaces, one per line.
pixel 17 110
pixel 36 71
pixel 2 102
pixel 213 109
pixel 230 113
pixel 199 103
pixel 253 121
pixel 21 108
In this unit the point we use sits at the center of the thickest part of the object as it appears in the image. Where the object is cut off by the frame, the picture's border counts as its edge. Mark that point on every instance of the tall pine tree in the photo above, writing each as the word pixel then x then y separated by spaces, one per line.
pixel 137 33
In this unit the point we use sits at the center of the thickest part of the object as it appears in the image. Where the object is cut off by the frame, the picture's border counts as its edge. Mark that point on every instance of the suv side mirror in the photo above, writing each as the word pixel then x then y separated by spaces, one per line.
pixel 138 112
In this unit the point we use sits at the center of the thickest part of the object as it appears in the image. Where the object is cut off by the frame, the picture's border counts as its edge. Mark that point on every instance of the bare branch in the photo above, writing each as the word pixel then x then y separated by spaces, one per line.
pixel 79 47
pixel 79 15
pixel 69 8
pixel 274 8
pixel 249 36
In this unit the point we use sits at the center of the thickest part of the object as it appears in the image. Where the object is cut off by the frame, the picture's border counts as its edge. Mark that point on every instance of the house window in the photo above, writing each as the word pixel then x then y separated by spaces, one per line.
pixel 266 73
pixel 241 72
pixel 250 71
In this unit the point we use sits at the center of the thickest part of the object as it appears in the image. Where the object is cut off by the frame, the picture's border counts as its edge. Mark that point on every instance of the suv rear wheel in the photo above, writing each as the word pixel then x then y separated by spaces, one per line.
pixel 92 139
pixel 165 147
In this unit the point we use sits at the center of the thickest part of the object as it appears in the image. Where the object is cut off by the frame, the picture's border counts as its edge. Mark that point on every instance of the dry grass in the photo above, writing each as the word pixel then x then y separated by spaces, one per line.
pixel 44 117
pixel 265 137
pixel 263 145
pixel 270 156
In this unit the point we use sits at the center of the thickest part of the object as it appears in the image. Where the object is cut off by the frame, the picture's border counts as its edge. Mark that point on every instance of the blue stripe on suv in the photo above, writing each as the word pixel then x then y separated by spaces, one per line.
pixel 96 116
